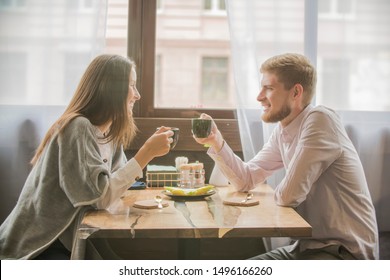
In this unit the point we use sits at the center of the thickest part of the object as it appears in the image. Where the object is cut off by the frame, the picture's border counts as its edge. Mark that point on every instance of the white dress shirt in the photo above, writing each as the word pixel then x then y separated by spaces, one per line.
pixel 324 182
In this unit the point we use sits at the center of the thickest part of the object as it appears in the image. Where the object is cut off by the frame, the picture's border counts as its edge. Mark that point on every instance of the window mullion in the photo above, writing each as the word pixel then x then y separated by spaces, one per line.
pixel 141 48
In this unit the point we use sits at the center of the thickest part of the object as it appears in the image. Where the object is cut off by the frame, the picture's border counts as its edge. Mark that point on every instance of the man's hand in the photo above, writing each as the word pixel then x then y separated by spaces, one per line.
pixel 215 139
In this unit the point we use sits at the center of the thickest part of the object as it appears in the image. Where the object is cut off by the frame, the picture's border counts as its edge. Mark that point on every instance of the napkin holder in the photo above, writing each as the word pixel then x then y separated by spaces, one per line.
pixel 160 176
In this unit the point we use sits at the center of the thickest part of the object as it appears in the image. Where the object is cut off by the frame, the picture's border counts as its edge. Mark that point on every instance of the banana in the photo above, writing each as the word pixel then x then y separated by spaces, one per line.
pixel 190 191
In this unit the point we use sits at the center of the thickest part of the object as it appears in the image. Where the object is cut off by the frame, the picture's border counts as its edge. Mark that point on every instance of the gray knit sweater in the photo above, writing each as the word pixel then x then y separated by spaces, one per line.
pixel 69 177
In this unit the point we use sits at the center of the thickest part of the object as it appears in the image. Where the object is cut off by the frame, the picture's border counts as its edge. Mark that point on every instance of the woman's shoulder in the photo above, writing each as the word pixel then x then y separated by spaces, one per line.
pixel 78 126
pixel 80 121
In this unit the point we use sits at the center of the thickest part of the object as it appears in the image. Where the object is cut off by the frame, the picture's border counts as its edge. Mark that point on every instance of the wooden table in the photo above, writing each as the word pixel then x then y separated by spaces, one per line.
pixel 195 219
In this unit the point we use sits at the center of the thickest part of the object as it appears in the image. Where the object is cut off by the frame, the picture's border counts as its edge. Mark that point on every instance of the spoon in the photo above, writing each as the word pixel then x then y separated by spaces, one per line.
pixel 158 199
pixel 248 197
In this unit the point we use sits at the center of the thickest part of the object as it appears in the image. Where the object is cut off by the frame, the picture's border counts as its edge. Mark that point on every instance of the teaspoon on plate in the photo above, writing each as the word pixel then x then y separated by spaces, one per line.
pixel 248 197
pixel 158 199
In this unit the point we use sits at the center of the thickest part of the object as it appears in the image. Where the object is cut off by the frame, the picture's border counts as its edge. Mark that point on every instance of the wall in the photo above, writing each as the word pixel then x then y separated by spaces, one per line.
pixel 21 128
pixel 370 134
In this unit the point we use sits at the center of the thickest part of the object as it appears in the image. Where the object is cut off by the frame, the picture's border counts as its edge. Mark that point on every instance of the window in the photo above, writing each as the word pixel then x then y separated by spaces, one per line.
pixel 334 75
pixel 188 44
pixel 168 45
pixel 215 6
pixel 46 46
pixel 74 67
pixel 14 76
pixel 12 3
pixel 214 81
pixel 353 55
pixel 158 100
pixel 80 4
pixel 335 9
pixel 116 32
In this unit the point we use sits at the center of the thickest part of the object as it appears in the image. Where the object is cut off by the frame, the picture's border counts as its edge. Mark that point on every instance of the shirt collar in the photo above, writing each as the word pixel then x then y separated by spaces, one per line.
pixel 289 132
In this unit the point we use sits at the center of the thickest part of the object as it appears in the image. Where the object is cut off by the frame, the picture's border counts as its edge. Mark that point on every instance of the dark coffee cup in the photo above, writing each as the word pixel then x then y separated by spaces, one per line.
pixel 175 137
pixel 201 128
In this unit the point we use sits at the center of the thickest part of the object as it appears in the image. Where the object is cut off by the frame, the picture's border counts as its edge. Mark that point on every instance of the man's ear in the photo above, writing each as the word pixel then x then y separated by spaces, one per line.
pixel 298 90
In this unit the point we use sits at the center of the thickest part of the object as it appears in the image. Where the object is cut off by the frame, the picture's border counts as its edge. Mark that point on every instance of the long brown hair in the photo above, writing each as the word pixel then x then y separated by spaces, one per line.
pixel 101 97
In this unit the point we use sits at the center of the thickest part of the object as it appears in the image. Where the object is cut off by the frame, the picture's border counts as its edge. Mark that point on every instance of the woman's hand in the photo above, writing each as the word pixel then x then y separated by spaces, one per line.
pixel 215 139
pixel 157 145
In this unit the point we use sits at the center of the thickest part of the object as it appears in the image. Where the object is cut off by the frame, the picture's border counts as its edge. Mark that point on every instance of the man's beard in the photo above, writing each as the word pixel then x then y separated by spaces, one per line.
pixel 272 117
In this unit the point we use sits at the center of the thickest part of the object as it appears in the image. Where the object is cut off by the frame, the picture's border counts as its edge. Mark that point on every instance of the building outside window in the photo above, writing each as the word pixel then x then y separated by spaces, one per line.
pixel 214 6
pixel 188 43
pixel 187 36
pixel 215 77
pixel 335 8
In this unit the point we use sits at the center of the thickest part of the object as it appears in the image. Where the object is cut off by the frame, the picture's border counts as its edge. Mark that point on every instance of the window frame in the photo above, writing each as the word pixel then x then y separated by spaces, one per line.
pixel 141 47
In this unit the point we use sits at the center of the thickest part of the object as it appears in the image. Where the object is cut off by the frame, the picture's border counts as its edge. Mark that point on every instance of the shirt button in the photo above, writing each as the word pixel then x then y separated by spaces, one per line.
pixel 105 160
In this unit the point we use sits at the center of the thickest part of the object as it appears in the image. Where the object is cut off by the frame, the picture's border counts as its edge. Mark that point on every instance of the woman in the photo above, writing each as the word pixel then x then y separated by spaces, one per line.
pixel 80 163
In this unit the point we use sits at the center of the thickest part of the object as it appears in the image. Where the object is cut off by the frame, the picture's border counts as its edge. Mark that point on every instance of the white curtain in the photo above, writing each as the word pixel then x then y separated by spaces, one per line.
pixel 349 42
pixel 45 46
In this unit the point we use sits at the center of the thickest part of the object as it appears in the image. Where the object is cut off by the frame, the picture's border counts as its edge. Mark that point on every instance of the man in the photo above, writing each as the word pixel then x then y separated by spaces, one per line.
pixel 324 180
